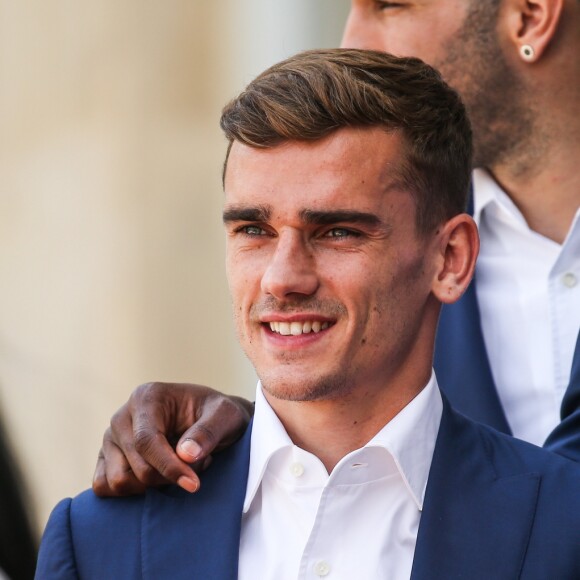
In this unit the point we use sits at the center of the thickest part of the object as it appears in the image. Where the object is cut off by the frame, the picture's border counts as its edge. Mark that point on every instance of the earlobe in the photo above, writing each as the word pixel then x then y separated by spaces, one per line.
pixel 458 249
pixel 533 24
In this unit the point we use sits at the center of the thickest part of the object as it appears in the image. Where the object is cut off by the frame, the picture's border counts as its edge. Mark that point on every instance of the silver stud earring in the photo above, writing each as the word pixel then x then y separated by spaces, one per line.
pixel 527 52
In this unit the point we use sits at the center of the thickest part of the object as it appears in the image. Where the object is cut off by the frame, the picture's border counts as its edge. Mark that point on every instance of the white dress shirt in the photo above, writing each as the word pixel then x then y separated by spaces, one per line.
pixel 360 521
pixel 528 288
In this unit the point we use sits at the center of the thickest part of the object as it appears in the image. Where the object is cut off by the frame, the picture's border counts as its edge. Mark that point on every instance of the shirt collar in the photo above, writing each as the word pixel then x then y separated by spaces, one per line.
pixel 491 200
pixel 268 436
pixel 487 193
pixel 409 438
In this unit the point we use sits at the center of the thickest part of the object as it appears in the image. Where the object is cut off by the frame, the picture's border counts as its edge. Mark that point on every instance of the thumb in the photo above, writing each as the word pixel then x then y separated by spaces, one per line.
pixel 222 420
pixel 197 443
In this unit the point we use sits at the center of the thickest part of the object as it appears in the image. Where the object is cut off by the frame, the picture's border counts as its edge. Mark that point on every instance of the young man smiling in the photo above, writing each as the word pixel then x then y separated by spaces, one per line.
pixel 345 184
pixel 328 237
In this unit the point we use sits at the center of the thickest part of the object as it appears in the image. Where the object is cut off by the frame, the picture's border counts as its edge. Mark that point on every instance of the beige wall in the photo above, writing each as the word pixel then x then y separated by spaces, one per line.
pixel 111 248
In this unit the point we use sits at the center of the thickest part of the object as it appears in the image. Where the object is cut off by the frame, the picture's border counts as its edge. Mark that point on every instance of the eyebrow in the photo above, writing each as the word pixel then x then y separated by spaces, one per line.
pixel 322 218
pixel 243 213
pixel 262 213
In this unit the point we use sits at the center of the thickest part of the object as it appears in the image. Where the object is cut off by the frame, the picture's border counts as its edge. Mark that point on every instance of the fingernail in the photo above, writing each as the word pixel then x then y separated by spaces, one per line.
pixel 188 484
pixel 190 447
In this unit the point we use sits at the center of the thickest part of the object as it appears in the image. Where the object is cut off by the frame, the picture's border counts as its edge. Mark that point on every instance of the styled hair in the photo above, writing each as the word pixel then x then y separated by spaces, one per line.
pixel 314 93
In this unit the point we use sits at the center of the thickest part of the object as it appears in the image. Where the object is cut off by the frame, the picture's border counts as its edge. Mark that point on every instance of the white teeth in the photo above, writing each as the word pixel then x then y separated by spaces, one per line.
pixel 298 328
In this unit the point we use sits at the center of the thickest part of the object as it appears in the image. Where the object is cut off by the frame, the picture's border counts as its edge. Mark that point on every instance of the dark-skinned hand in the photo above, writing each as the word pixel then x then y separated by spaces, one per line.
pixel 164 434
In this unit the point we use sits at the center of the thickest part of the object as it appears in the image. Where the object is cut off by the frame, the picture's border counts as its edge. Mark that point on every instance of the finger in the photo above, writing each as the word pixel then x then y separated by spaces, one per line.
pixel 201 465
pixel 190 451
pixel 124 472
pixel 100 485
pixel 120 454
pixel 121 482
pixel 151 459
pixel 152 454
pixel 221 422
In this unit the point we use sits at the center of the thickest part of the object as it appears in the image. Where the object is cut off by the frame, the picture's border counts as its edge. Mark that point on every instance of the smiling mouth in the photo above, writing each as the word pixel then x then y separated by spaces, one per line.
pixel 298 328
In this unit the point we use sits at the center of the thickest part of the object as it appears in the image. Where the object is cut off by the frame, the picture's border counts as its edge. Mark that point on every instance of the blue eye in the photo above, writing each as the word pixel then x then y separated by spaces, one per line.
pixel 341 233
pixel 253 230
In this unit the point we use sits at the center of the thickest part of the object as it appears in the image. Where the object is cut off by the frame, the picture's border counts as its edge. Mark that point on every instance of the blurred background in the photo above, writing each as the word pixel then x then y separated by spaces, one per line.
pixel 111 246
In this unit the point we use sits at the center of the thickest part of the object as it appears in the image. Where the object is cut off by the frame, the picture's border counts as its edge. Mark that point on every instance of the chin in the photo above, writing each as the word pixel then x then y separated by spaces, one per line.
pixel 308 390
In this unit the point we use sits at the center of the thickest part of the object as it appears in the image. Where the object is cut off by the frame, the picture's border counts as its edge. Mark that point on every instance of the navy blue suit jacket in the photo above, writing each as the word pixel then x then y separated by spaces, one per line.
pixel 495 508
pixel 464 373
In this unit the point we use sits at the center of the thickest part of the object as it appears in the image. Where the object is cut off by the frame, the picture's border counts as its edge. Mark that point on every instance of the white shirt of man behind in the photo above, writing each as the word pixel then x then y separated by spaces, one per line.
pixel 528 289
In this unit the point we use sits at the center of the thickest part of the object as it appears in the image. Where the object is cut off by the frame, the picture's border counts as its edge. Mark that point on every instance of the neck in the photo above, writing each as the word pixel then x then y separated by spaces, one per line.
pixel 544 181
pixel 332 428
pixel 540 173
pixel 548 197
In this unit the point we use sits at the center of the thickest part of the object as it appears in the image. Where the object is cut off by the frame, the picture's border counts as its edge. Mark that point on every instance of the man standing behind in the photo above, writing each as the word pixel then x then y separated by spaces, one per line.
pixel 515 65
pixel 345 183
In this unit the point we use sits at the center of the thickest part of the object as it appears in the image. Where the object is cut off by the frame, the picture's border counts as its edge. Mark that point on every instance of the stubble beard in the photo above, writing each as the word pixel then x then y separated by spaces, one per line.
pixel 493 93
pixel 315 388
pixel 278 380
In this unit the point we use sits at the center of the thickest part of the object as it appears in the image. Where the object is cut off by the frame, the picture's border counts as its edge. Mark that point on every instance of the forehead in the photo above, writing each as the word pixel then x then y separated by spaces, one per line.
pixel 352 167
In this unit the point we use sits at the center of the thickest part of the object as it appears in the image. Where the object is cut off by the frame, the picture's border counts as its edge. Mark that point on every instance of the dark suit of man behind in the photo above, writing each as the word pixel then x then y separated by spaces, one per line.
pixel 461 357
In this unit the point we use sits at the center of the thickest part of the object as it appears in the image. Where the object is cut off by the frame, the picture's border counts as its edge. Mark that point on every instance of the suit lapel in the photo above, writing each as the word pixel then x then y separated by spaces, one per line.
pixel 478 509
pixel 571 401
pixel 188 536
pixel 462 366
pixel 565 438
pixel 461 357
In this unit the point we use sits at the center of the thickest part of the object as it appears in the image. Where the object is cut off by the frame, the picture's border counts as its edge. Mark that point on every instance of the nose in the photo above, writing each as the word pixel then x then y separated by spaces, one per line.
pixel 359 30
pixel 291 269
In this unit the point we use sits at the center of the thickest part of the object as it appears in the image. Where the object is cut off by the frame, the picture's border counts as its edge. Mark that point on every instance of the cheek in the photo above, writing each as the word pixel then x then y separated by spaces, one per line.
pixel 244 284
pixel 242 274
pixel 247 265
pixel 403 286
pixel 239 299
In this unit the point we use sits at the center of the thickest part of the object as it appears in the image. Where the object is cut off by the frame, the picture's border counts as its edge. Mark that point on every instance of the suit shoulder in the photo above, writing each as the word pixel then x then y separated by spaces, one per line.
pixel 56 555
pixel 511 455
pixel 87 505
pixel 85 534
pixel 113 524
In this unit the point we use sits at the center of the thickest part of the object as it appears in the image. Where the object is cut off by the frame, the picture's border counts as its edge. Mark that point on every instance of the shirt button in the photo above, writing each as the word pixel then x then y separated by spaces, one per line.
pixel 322 568
pixel 297 469
pixel 569 280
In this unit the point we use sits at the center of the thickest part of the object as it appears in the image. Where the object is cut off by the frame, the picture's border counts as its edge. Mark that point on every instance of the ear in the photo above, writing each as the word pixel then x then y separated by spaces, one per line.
pixel 532 25
pixel 458 249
